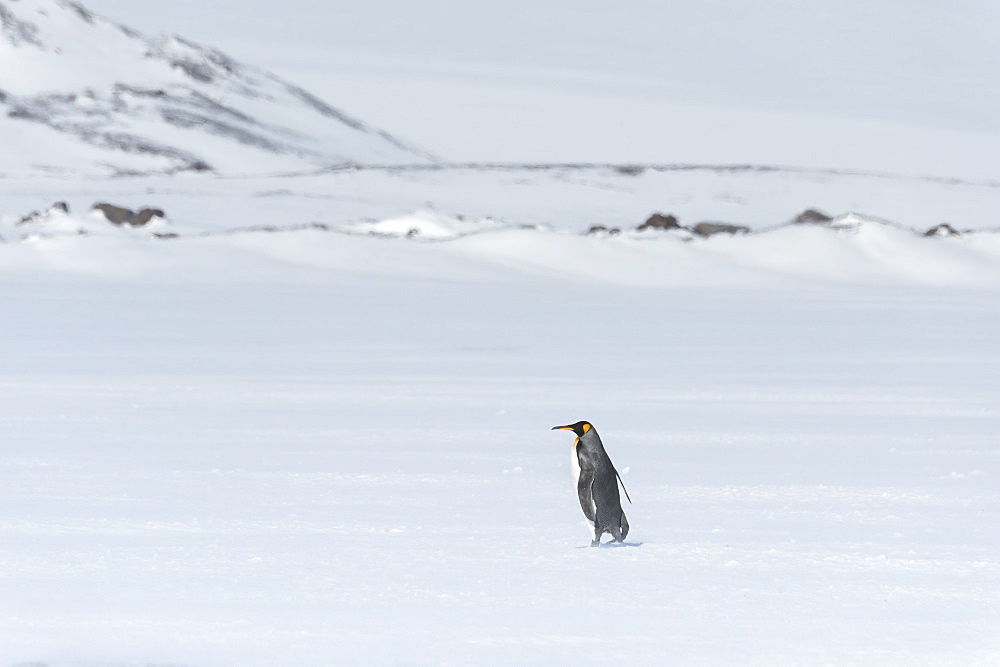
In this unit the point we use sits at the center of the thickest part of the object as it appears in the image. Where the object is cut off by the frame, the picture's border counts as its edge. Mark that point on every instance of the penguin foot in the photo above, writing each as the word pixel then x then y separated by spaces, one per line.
pixel 595 543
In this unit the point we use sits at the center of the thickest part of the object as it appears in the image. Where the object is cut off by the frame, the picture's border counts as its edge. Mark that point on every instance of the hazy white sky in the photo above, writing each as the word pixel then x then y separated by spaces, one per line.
pixel 880 85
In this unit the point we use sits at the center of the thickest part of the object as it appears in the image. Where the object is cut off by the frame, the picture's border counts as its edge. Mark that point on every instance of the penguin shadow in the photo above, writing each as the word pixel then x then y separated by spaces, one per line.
pixel 612 545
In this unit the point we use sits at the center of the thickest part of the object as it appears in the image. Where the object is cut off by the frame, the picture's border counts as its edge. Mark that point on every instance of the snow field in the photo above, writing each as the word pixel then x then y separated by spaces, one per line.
pixel 361 471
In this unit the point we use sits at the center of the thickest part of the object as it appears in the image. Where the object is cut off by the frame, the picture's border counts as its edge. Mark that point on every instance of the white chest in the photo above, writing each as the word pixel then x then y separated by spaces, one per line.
pixel 574 463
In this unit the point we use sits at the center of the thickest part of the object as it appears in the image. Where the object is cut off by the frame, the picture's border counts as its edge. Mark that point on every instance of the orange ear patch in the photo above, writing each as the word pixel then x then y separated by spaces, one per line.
pixel 586 427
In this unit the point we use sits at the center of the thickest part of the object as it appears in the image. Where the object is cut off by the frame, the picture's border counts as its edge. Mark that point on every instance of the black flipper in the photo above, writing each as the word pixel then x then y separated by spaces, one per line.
pixel 585 493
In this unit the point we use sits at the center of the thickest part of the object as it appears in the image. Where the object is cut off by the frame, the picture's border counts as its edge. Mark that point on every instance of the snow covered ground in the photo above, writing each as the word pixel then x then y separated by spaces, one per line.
pixel 303 418
pixel 312 447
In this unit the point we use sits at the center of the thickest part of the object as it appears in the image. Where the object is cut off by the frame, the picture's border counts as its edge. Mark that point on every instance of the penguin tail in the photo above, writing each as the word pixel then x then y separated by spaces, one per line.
pixel 623 486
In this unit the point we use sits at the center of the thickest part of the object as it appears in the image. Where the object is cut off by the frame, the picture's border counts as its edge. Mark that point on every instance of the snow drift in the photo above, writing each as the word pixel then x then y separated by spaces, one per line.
pixel 851 248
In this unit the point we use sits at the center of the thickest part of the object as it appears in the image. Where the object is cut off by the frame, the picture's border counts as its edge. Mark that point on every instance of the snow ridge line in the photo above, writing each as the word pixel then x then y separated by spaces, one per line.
pixel 637 169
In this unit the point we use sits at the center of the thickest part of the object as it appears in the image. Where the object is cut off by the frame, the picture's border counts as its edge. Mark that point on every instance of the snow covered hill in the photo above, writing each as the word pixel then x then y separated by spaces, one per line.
pixel 82 93
pixel 851 248
pixel 849 85
pixel 576 221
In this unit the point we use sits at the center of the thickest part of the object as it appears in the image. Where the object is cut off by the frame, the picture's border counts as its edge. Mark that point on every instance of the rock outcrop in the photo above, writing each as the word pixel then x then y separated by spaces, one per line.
pixel 944 229
pixel 119 215
pixel 811 216
pixel 35 216
pixel 660 221
pixel 707 229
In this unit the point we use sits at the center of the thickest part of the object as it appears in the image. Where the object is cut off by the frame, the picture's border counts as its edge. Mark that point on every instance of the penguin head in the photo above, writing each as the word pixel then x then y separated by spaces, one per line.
pixel 580 428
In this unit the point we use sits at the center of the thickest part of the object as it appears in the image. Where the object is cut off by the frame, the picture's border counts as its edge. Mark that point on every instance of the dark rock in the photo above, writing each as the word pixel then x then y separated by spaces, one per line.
pixel 194 69
pixel 27 114
pixel 138 91
pixel 322 107
pixel 119 215
pixel 17 31
pixel 630 169
pixel 712 228
pixel 811 216
pixel 31 217
pixel 601 229
pixel 59 206
pixel 116 215
pixel 660 221
pixel 82 11
pixel 944 229
pixel 145 215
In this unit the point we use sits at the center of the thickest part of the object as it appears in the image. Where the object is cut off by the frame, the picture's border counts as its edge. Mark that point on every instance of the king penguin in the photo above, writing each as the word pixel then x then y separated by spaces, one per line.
pixel 596 483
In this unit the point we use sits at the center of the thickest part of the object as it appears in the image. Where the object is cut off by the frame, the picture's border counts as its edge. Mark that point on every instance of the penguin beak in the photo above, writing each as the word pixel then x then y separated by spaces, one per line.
pixel 562 428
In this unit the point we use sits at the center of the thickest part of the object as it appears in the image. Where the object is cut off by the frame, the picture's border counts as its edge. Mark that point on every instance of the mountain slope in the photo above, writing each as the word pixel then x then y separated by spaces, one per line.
pixel 158 104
